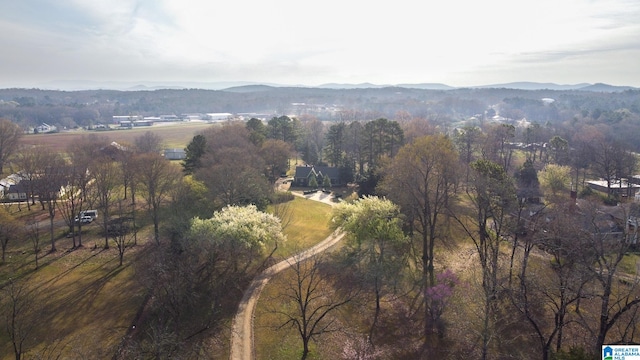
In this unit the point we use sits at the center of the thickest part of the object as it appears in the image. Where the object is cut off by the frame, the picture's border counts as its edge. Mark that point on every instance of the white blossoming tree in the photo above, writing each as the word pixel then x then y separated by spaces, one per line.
pixel 376 240
pixel 240 234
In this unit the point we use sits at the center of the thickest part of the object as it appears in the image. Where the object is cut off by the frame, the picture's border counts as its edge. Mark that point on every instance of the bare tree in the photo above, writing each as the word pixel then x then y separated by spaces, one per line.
pixel 231 168
pixel 31 162
pixel 50 186
pixel 10 229
pixel 33 232
pixel 496 147
pixel 625 166
pixel 233 177
pixel 604 162
pixel 311 298
pixel 82 152
pixel 542 294
pixel 119 228
pixel 105 181
pixel 10 134
pixel 157 178
pixel 605 245
pixel 276 154
pixel 76 179
pixel 492 194
pixel 149 143
pixel 88 147
pixel 20 314
pixel 127 160
pixel 415 127
pixel 583 152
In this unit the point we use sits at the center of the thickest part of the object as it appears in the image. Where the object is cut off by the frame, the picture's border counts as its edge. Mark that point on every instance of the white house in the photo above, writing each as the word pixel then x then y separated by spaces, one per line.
pixel 45 128
pixel 6 183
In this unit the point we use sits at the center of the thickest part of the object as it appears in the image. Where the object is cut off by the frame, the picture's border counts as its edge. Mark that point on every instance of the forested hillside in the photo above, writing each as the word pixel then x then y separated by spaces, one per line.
pixel 617 112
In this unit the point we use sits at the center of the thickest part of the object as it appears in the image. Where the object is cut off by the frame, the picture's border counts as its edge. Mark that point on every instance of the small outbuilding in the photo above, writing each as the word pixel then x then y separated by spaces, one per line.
pixel 175 154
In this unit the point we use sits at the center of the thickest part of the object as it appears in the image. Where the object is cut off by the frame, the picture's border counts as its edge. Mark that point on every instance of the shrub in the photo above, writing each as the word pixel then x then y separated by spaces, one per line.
pixel 279 197
pixel 586 191
pixel 574 353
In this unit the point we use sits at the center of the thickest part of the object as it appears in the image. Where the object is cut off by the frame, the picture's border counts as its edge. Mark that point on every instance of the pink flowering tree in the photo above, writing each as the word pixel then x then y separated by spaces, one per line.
pixel 438 297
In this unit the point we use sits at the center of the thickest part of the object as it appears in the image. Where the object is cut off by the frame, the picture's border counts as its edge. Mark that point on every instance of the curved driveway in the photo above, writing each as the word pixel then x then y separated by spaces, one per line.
pixel 242 328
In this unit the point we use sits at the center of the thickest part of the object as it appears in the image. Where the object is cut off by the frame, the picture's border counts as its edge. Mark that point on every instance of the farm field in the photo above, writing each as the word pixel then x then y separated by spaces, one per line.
pixel 175 135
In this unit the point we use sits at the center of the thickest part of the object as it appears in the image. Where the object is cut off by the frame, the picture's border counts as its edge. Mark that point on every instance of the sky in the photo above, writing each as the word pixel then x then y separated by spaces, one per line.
pixel 455 42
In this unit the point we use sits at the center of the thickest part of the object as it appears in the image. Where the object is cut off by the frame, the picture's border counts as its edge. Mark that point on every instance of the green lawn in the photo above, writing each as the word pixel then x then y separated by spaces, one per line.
pixel 308 225
pixel 311 223
pixel 629 264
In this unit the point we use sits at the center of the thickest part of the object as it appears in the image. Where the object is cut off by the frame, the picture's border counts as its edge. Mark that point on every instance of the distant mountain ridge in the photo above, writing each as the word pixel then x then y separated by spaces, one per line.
pixel 531 86
pixel 424 86
pixel 598 87
pixel 248 86
pixel 527 85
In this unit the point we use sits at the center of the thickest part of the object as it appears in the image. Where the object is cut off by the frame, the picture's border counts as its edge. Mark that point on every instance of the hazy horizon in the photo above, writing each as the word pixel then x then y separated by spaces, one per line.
pixel 79 85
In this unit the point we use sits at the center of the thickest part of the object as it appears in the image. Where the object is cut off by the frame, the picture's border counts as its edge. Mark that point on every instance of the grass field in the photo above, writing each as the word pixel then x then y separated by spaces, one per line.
pixel 309 224
pixel 176 135
pixel 80 301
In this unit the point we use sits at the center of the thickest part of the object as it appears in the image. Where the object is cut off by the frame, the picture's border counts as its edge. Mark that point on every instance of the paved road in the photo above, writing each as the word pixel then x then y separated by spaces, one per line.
pixel 242 328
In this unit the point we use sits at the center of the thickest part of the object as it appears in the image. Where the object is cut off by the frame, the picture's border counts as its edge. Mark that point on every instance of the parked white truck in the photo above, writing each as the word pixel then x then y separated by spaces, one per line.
pixel 92 213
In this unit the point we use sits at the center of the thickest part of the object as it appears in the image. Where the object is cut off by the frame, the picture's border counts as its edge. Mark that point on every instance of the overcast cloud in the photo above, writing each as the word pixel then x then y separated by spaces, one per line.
pixel 457 42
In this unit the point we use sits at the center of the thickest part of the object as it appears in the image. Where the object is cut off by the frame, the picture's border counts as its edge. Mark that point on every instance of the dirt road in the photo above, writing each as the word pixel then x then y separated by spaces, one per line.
pixel 242 330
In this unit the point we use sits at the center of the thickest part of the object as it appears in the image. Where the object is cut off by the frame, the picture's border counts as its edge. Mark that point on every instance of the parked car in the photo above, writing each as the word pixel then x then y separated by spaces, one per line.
pixel 84 219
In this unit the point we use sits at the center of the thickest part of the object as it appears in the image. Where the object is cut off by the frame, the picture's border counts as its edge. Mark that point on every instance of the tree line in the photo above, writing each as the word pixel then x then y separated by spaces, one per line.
pixel 618 111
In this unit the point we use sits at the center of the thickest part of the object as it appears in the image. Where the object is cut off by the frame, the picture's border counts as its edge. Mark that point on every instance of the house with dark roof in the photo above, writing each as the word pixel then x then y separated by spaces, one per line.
pixel 304 173
pixel 17 192
pixel 42 189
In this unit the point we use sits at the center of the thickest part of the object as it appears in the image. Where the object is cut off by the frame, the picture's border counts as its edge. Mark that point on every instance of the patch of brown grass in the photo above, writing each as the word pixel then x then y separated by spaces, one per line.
pixel 174 136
